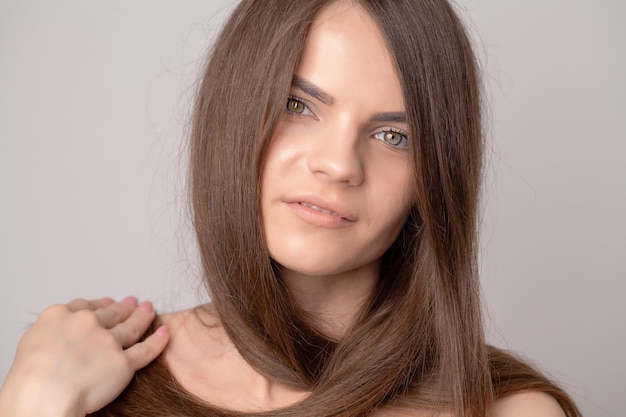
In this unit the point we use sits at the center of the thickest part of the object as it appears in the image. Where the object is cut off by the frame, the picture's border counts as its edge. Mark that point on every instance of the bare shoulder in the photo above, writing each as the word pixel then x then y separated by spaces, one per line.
pixel 187 327
pixel 528 404
pixel 181 317
pixel 191 320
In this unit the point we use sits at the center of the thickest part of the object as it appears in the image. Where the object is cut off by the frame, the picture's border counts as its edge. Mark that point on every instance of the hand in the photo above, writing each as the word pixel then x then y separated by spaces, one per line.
pixel 78 357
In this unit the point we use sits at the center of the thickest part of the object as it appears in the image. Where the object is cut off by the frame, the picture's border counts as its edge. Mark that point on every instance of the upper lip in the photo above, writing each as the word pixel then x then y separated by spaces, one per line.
pixel 324 204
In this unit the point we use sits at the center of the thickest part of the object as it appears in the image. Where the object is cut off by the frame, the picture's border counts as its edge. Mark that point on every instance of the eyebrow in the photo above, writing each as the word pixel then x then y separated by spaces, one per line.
pixel 391 117
pixel 314 91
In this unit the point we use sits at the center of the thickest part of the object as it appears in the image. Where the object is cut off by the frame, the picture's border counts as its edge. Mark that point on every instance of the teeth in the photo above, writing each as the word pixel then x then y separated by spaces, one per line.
pixel 316 208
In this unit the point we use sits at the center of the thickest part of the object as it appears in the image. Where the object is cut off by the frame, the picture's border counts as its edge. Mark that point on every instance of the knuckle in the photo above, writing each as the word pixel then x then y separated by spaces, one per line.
pixel 53 312
pixel 131 331
pixel 116 315
pixel 103 341
pixel 144 350
pixel 119 361
pixel 78 304
pixel 86 318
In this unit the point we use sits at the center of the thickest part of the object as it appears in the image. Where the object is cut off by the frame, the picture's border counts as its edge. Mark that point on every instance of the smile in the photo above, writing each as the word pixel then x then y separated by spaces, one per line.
pixel 320 209
pixel 319 212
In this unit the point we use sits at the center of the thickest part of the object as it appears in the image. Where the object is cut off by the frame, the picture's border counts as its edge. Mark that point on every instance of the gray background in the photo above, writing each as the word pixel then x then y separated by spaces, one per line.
pixel 94 98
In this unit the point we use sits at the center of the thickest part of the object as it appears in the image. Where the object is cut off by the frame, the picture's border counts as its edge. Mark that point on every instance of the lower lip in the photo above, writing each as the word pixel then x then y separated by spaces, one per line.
pixel 318 218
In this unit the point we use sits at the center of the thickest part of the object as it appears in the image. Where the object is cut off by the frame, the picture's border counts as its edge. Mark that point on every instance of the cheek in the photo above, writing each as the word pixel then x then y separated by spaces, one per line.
pixel 270 172
pixel 393 203
pixel 280 161
pixel 393 188
pixel 281 157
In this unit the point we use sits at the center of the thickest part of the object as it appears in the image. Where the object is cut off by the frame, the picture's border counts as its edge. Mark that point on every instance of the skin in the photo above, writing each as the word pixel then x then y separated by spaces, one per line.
pixel 334 148
pixel 78 357
pixel 329 151
pixel 528 404
pixel 326 151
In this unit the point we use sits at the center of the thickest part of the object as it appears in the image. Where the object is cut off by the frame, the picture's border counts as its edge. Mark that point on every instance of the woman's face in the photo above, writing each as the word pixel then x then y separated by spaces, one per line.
pixel 336 184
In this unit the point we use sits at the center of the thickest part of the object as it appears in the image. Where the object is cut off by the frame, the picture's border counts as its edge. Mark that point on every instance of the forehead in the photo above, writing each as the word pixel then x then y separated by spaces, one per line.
pixel 345 52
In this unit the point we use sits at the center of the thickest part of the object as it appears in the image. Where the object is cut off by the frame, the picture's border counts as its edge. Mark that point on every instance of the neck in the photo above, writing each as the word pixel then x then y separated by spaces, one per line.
pixel 205 362
pixel 332 301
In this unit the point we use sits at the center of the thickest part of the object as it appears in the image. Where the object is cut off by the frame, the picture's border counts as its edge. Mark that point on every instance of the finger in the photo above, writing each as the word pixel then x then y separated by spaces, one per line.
pixel 130 330
pixel 111 315
pixel 102 302
pixel 143 353
pixel 81 304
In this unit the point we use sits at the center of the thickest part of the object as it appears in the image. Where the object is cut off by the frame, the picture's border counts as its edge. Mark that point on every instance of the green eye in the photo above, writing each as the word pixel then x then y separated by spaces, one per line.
pixel 393 138
pixel 295 106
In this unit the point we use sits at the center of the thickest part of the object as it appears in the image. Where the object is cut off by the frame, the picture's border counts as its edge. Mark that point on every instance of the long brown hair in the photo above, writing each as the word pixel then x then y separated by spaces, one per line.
pixel 419 341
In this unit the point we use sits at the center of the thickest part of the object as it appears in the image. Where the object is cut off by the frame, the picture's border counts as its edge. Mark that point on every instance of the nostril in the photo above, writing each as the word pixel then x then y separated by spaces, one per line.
pixel 336 163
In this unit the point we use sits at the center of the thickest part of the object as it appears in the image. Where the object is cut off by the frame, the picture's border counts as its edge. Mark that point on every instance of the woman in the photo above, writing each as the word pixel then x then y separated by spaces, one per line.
pixel 341 261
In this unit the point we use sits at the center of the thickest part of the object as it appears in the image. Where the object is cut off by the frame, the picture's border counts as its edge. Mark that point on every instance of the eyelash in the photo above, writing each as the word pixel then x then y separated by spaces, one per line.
pixel 380 135
pixel 301 101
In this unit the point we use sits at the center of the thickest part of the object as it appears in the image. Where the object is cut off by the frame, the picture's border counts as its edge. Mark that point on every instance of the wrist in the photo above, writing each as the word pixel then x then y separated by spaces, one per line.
pixel 35 400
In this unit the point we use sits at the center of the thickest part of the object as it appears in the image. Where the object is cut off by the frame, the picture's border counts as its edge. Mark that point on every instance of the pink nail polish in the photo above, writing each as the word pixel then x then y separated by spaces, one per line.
pixel 131 300
pixel 146 306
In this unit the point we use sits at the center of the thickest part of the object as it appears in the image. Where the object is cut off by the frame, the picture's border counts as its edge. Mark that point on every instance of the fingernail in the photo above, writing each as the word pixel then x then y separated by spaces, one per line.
pixel 107 300
pixel 161 330
pixel 146 306
pixel 130 300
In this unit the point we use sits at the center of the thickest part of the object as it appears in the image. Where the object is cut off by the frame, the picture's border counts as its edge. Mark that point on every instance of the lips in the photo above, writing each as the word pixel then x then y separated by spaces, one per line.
pixel 324 207
pixel 320 209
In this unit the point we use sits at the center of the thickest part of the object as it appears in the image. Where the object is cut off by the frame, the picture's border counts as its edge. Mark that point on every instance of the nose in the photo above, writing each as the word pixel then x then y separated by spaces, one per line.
pixel 335 155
